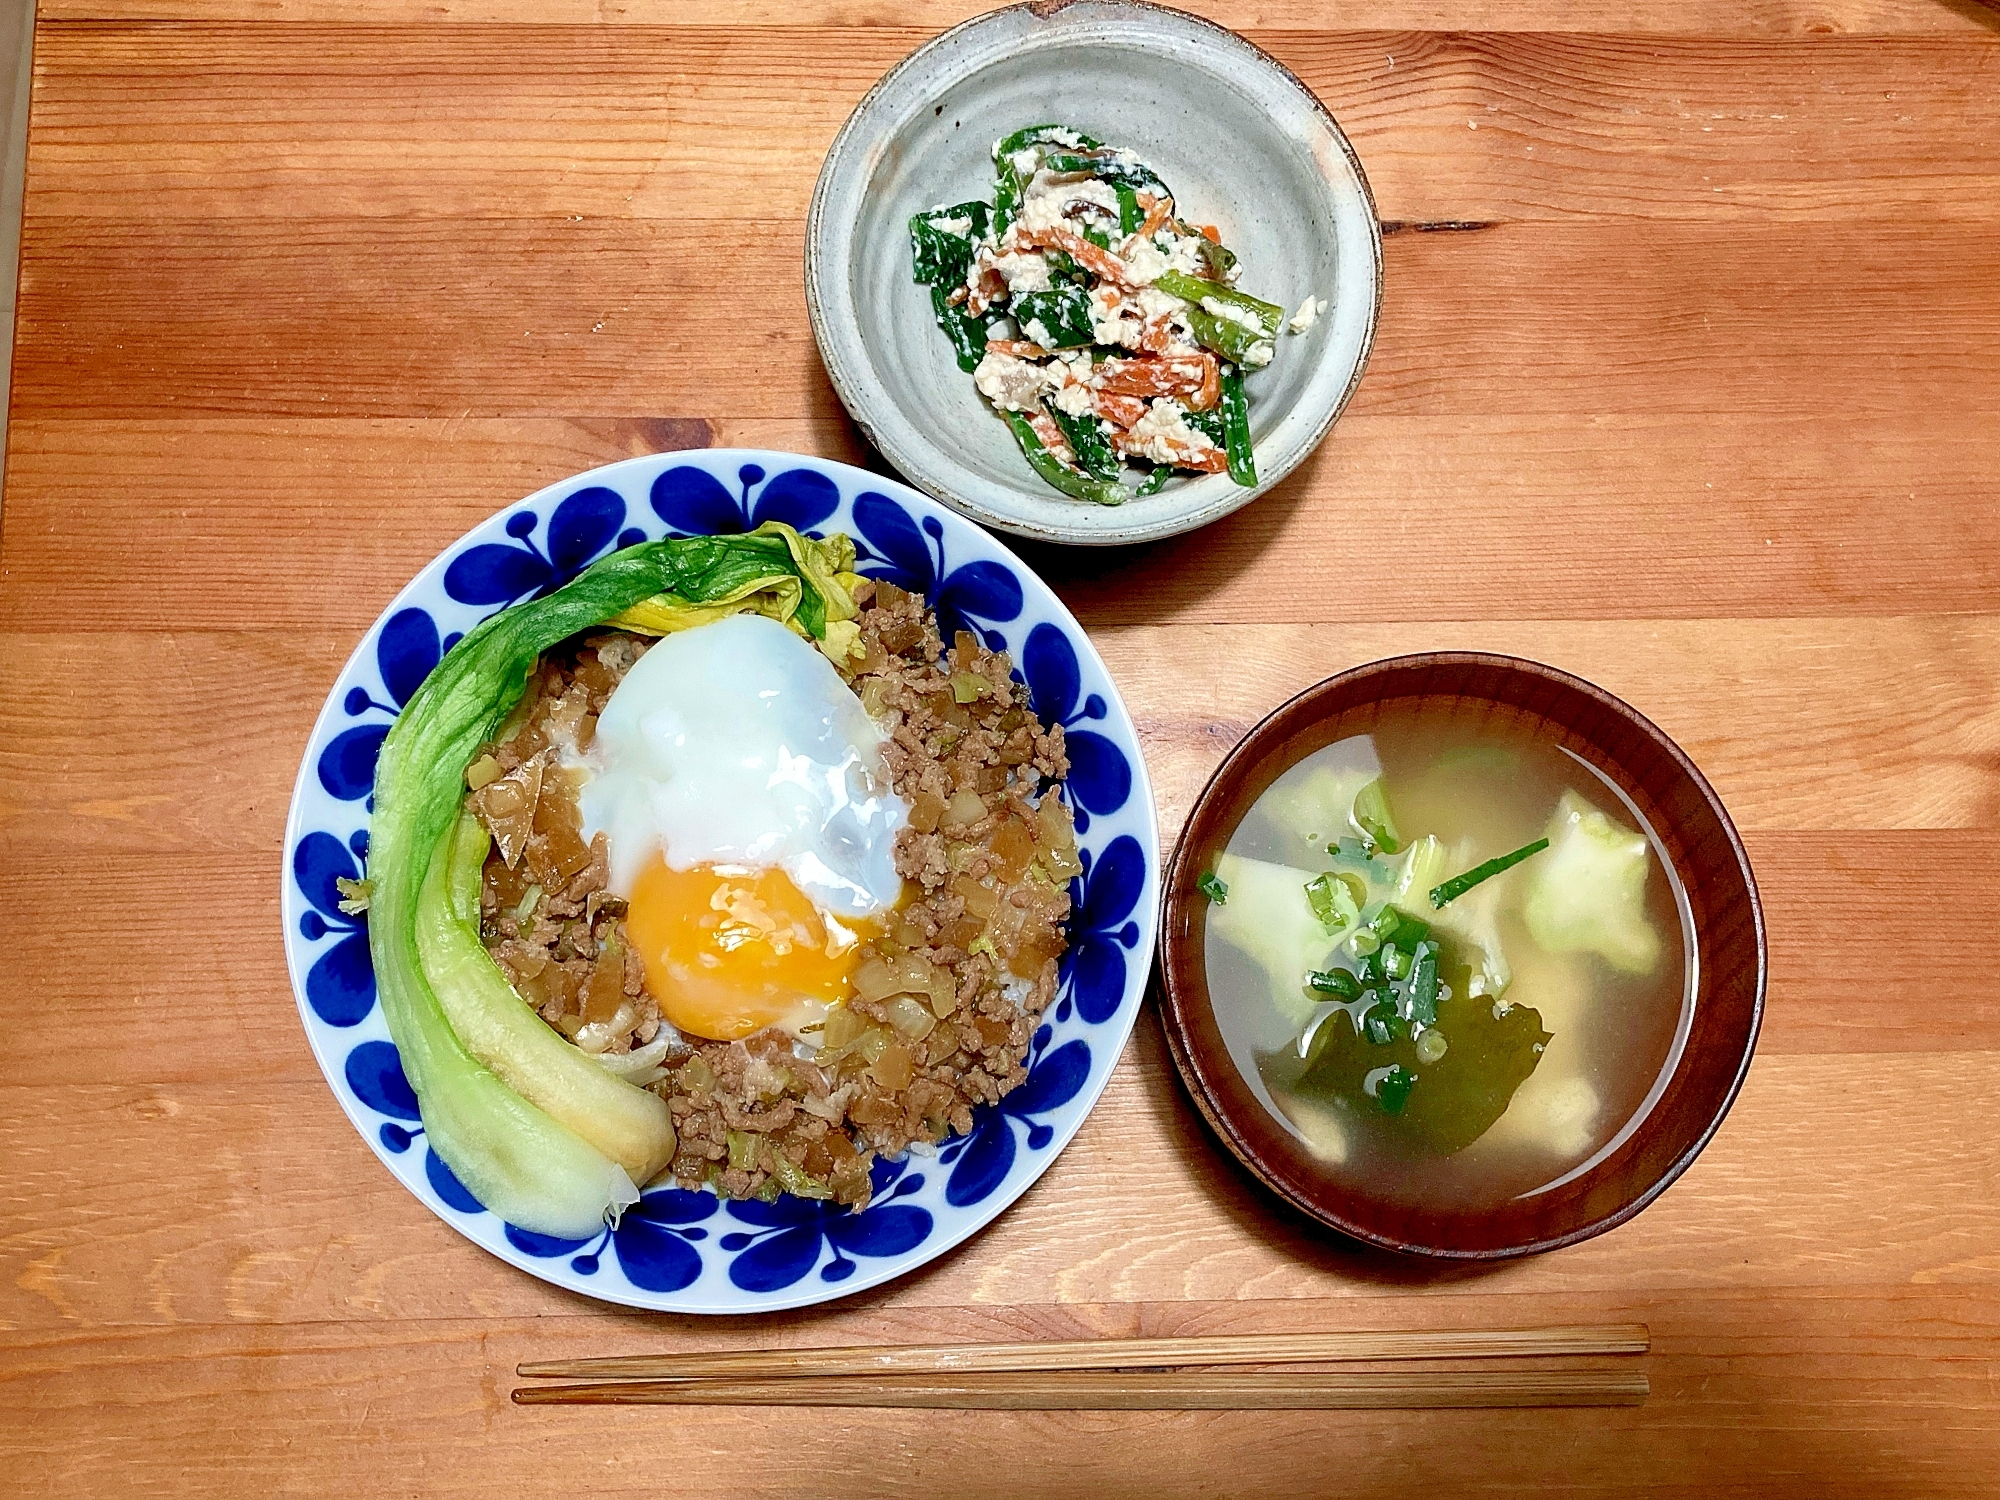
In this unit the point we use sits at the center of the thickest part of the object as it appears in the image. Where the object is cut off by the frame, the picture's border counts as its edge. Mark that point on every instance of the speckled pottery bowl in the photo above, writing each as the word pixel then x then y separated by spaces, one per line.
pixel 1245 144
pixel 686 1251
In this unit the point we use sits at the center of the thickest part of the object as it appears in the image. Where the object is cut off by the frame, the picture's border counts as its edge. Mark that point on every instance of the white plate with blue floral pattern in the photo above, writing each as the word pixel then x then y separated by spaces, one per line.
pixel 679 1250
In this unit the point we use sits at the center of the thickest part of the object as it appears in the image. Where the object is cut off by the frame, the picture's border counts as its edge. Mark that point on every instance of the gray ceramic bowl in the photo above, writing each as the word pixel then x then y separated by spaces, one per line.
pixel 1243 142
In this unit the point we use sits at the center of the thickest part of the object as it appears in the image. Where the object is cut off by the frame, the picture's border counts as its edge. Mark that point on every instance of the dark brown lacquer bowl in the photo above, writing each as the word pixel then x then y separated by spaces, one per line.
pixel 1479 689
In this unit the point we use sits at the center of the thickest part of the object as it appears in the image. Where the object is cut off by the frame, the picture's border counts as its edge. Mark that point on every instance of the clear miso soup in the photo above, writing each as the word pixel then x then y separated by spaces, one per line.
pixel 1454 962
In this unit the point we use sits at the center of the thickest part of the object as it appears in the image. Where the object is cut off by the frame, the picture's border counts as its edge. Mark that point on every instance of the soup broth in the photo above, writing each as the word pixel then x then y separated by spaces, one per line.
pixel 1436 1032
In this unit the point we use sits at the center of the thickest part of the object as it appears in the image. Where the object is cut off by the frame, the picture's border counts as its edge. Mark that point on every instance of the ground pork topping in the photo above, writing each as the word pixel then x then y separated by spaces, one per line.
pixel 947 996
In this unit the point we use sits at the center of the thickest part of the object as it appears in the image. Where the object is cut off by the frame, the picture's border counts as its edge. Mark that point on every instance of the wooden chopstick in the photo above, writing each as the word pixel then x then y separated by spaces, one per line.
pixel 1095 1390
pixel 1101 1354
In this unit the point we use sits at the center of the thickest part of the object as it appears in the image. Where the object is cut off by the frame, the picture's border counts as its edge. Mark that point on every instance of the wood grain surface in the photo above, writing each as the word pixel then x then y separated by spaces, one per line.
pixel 1699 397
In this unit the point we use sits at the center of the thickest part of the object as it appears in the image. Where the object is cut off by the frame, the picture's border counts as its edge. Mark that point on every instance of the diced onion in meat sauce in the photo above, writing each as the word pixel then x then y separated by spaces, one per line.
pixel 946 997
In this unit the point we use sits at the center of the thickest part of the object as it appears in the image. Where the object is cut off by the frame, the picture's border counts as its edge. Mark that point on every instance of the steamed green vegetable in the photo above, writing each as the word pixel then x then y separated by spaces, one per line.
pixel 1236 428
pixel 514 1156
pixel 943 255
pixel 1060 474
pixel 1082 253
pixel 1589 895
pixel 630 1125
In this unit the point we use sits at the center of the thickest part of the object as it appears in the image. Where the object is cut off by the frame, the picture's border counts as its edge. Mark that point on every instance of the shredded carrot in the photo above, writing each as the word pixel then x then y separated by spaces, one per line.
pixel 1203 460
pixel 1100 263
pixel 1210 233
pixel 1051 435
pixel 1119 411
pixel 1019 348
pixel 1193 378
pixel 1157 210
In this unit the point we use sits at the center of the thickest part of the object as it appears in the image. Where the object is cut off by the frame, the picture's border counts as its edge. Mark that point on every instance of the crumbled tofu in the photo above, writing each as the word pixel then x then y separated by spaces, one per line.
pixel 1113 320
pixel 960 226
pixel 1023 271
pixel 1259 355
pixel 1072 400
pixel 1037 332
pixel 1242 317
pixel 1154 303
pixel 1047 196
pixel 1308 314
pixel 1012 384
pixel 1144 260
pixel 1163 434
pixel 1184 255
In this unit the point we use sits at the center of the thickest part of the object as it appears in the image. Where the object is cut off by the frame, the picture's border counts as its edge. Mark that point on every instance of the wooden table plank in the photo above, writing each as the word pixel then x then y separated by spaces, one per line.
pixel 1753 517
pixel 166 989
pixel 1897 721
pixel 1747 1371
pixel 1706 414
pixel 712 123
pixel 1794 19
pixel 216 1217
pixel 343 317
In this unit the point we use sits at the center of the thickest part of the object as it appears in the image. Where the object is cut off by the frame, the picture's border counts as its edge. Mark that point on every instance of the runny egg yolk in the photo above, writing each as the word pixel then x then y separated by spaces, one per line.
pixel 730 951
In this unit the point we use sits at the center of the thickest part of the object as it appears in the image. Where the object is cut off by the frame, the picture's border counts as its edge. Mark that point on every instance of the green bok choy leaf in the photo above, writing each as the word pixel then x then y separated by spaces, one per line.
pixel 518 1157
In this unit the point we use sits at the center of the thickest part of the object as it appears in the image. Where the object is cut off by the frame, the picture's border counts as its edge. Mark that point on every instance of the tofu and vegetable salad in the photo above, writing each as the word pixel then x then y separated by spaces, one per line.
pixel 1105 329
pixel 715 865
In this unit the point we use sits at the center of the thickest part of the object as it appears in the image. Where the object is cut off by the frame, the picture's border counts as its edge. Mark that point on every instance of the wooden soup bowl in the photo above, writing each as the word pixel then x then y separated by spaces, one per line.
pixel 1470 690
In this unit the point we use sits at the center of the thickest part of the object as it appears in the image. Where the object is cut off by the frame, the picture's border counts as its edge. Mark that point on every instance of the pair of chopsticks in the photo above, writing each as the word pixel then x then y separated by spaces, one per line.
pixel 1168 1374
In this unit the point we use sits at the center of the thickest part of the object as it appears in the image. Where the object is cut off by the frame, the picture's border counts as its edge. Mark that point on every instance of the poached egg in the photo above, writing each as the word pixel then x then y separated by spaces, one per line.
pixel 750 825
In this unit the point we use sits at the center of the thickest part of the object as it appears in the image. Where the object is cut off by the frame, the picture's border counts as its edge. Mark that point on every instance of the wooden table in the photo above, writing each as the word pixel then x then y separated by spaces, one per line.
pixel 1688 381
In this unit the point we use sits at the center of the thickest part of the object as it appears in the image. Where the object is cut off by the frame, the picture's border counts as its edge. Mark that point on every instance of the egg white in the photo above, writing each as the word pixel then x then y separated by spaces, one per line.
pixel 737 743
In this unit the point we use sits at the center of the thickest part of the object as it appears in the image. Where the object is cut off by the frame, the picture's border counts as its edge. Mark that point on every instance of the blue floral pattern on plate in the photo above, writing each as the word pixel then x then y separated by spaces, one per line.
pixel 680 1250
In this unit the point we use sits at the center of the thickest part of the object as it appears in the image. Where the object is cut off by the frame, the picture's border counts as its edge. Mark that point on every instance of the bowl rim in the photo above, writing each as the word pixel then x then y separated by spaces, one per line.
pixel 480 1226
pixel 1180 986
pixel 847 383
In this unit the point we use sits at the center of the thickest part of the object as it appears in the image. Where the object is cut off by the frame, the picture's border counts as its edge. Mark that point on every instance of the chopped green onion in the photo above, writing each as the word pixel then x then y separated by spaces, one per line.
pixel 1458 885
pixel 1351 848
pixel 1371 816
pixel 1334 982
pixel 1332 901
pixel 1380 1024
pixel 1431 1046
pixel 1393 1091
pixel 1395 963
pixel 1424 985
pixel 1372 969
pixel 1362 942
pixel 1236 425
pixel 1212 888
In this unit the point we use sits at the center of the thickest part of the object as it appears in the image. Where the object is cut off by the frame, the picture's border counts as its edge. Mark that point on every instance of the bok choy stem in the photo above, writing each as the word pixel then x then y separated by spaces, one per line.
pixel 513 1156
